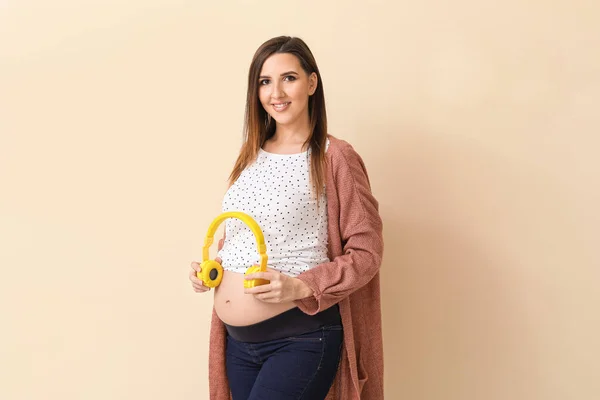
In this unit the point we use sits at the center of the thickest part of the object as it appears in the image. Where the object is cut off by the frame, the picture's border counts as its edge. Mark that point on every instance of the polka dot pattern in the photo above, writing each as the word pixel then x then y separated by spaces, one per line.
pixel 274 190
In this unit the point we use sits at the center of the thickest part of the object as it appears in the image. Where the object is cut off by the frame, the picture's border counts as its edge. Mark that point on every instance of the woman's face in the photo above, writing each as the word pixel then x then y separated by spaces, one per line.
pixel 284 88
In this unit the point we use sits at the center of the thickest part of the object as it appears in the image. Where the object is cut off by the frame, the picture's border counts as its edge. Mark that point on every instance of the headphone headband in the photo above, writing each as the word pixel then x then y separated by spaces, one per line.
pixel 248 220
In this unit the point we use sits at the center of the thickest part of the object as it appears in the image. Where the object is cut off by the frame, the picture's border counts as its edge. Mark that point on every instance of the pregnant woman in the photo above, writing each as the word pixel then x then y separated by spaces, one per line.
pixel 314 331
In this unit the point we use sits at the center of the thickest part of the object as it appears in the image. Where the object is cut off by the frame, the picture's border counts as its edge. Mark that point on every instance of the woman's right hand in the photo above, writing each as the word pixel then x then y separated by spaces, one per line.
pixel 197 284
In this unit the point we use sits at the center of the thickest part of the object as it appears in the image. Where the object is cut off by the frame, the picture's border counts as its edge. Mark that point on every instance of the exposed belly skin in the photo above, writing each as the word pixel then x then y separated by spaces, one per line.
pixel 234 307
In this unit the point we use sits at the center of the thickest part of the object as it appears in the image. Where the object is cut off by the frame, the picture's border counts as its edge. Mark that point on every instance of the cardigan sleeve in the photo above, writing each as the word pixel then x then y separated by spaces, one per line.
pixel 361 232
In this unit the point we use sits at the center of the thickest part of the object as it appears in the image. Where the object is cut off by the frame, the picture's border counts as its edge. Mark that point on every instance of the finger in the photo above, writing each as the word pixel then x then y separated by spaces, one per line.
pixel 259 289
pixel 218 259
pixel 195 266
pixel 270 276
pixel 267 297
pixel 196 283
pixel 194 274
pixel 199 284
pixel 196 280
pixel 201 289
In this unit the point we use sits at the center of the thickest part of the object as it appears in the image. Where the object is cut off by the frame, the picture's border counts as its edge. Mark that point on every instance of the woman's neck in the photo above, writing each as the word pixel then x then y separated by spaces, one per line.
pixel 286 140
pixel 296 132
pixel 289 137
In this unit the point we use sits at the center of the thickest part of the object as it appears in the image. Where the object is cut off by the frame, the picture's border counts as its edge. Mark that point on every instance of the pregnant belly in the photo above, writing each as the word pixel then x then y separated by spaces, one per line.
pixel 234 307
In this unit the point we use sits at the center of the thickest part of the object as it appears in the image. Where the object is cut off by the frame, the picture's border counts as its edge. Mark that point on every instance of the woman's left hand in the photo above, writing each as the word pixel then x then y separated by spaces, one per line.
pixel 281 289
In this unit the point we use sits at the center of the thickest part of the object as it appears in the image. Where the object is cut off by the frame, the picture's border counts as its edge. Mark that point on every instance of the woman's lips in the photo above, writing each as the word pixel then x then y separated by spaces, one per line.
pixel 279 107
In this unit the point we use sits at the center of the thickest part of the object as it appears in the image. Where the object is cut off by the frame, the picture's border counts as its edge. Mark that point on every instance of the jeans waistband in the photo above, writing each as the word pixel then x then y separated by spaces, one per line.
pixel 289 323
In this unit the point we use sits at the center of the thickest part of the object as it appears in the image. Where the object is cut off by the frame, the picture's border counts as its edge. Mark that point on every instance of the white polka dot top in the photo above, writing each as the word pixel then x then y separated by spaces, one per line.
pixel 274 190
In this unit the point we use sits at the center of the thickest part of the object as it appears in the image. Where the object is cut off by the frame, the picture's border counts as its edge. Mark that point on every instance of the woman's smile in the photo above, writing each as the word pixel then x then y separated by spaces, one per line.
pixel 279 107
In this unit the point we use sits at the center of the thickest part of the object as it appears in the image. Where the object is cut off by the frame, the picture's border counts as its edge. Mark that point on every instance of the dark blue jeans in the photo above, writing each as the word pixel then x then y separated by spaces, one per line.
pixel 300 367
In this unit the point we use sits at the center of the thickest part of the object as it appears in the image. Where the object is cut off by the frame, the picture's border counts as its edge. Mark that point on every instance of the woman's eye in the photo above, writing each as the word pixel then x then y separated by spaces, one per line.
pixel 264 82
pixel 290 78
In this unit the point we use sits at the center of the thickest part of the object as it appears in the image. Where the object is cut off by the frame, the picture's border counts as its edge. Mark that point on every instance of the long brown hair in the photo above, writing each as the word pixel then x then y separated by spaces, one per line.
pixel 258 128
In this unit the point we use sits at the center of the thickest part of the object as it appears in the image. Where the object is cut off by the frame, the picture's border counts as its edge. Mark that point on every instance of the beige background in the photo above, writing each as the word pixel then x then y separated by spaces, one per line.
pixel 478 122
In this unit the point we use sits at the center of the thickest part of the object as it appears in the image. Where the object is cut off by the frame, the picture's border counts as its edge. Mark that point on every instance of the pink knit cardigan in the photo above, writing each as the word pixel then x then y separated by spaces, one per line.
pixel 351 280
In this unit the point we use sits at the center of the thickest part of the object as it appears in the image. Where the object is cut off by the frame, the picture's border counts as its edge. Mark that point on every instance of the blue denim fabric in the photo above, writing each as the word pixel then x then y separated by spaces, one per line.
pixel 300 367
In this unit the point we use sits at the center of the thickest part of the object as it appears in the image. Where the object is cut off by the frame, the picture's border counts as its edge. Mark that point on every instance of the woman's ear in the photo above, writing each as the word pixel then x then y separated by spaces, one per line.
pixel 313 82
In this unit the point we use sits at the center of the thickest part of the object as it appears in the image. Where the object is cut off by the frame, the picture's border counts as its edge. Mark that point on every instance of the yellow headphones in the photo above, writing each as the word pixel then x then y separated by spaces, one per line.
pixel 212 272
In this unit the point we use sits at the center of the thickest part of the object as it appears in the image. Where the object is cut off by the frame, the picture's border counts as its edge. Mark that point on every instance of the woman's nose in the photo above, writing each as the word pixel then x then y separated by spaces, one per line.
pixel 277 92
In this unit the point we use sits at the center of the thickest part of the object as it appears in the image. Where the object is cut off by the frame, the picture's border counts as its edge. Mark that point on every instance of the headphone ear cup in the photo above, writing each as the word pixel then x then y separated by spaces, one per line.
pixel 211 273
pixel 254 282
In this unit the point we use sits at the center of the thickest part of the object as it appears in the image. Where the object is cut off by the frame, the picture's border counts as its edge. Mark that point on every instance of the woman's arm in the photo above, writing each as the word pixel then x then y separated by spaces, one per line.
pixel 361 231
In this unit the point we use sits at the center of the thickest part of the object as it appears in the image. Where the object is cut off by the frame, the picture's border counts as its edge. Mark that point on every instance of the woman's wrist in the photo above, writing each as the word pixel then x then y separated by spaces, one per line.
pixel 302 289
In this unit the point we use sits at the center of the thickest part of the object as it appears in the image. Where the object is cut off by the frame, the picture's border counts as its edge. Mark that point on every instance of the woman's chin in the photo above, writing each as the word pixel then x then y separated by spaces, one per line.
pixel 284 120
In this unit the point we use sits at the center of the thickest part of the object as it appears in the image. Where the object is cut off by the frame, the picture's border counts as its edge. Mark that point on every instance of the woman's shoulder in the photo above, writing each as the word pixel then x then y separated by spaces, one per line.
pixel 340 149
